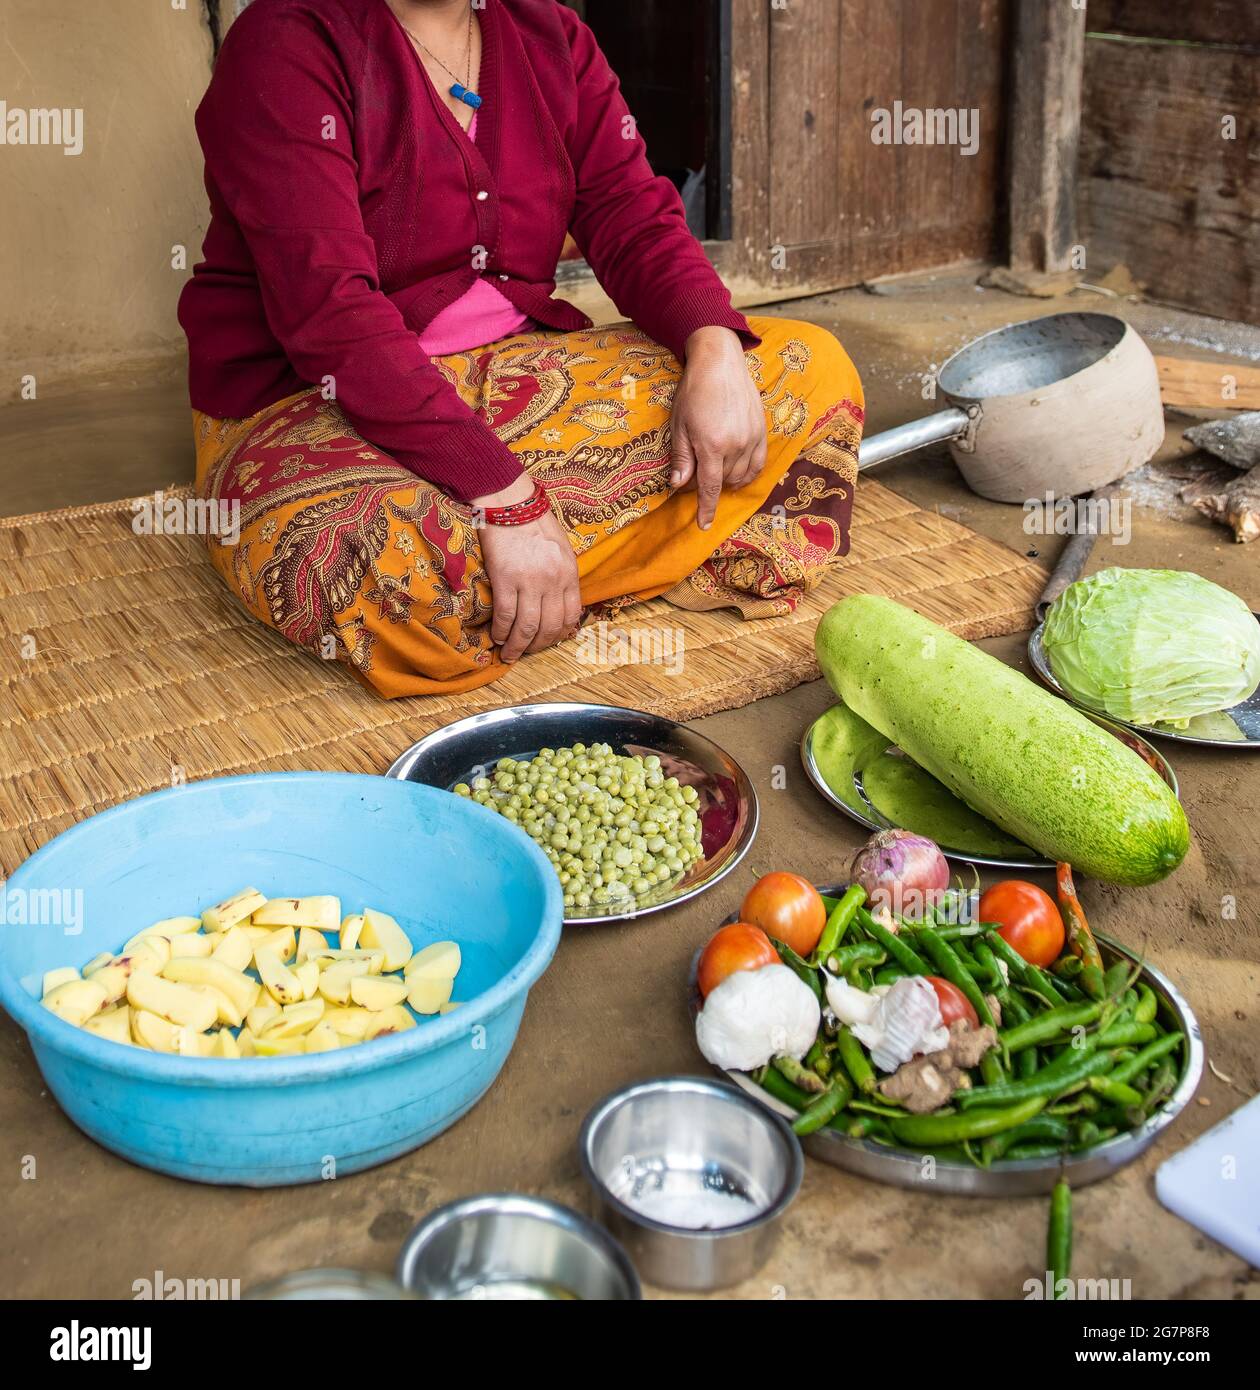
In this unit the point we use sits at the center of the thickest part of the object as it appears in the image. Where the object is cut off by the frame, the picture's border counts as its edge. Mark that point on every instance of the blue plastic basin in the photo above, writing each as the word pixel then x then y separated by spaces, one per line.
pixel 445 867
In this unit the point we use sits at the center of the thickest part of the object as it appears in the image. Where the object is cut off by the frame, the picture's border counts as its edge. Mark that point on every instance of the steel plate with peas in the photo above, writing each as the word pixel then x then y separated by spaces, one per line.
pixel 636 812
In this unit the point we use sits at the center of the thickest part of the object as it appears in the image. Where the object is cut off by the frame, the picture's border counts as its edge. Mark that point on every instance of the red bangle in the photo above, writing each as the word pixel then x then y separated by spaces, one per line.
pixel 516 513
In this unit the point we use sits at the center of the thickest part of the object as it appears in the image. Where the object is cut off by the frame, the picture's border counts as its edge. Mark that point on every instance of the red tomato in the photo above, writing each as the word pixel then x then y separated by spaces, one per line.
pixel 1028 920
pixel 736 947
pixel 787 907
pixel 954 1003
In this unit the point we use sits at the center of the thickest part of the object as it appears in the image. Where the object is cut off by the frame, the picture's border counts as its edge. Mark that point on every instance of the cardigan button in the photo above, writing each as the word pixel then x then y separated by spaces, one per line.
pixel 482 196
pixel 503 277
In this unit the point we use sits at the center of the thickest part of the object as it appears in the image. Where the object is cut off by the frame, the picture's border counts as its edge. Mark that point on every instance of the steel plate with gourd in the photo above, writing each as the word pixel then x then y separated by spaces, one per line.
pixel 862 774
pixel 449 870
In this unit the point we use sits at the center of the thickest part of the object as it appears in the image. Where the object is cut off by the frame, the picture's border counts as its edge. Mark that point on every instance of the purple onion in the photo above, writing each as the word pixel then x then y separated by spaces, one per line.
pixel 903 873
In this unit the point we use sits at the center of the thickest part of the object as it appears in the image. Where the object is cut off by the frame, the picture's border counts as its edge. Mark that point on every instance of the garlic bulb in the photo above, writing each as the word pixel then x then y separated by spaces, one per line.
pixel 754 1015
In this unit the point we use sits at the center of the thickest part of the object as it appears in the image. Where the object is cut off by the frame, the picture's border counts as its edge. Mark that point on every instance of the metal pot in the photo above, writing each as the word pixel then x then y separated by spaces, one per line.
pixel 1053 407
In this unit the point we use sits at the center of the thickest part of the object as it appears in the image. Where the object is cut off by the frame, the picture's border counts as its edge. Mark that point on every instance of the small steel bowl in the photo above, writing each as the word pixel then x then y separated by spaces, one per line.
pixel 505 1246
pixel 692 1177
pixel 727 803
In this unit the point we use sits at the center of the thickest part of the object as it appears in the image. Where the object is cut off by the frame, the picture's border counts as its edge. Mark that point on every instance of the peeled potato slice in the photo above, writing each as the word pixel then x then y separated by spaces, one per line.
pixel 381 930
pixel 114 1024
pixel 351 927
pixel 308 974
pixel 377 992
pixel 334 983
pixel 232 910
pixel 351 1023
pixel 395 1020
pixel 322 912
pixel 322 1038
pixel 179 1004
pixel 190 945
pixel 281 983
pixel 310 942
pixel 295 1019
pixel 441 961
pixel 53 978
pixel 76 1000
pixel 282 943
pixel 159 947
pixel 428 996
pixel 154 1032
pixel 235 949
pixel 235 984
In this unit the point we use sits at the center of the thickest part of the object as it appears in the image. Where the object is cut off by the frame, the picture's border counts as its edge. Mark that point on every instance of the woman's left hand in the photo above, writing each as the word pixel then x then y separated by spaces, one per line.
pixel 719 426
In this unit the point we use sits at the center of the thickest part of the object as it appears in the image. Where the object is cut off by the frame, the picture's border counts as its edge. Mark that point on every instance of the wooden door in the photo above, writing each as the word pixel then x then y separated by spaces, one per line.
pixel 817 202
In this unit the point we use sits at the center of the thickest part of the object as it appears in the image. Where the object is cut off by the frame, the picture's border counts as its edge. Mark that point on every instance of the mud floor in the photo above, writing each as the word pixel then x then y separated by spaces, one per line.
pixel 612 1007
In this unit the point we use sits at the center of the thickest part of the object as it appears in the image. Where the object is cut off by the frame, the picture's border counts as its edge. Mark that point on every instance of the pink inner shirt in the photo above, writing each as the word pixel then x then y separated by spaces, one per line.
pixel 480 315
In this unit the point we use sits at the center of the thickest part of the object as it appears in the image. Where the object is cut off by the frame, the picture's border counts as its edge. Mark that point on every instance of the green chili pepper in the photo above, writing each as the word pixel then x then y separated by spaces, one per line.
pixel 1049 1083
pixel 856 1062
pixel 1116 978
pixel 1059 1236
pixel 889 975
pixel 1127 1033
pixel 1045 1027
pixel 991 1069
pixel 1013 1007
pixel 1149 1055
pixel 946 961
pixel 874 1106
pixel 1115 1092
pixel 800 1076
pixel 817 1059
pixel 774 1083
pixel 1161 1086
pixel 825 1108
pixel 1084 1102
pixel 857 956
pixel 1042 1128
pixel 1147 1005
pixel 1067 967
pixel 838 922
pixel 927 1131
pixel 1031 976
pixel 987 962
pixel 1027 1060
pixel 801 968
pixel 905 956
pixel 861 1126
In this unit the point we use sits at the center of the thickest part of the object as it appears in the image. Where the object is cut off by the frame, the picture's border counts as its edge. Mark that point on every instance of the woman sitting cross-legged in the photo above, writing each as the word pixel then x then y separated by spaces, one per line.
pixel 440 466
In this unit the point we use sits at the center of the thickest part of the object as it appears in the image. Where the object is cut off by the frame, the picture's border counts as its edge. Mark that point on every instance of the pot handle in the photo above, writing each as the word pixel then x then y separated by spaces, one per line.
pixel 904 439
pixel 1072 559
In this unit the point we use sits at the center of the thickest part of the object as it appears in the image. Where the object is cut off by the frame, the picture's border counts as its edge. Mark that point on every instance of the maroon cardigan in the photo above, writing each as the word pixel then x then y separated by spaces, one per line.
pixel 348 207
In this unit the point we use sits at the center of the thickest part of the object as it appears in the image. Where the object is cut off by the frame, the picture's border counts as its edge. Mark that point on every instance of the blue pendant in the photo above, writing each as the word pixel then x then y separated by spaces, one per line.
pixel 461 93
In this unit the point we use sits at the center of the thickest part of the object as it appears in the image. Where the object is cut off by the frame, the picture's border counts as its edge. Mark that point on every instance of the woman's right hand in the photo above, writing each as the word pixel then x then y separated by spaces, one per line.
pixel 533 578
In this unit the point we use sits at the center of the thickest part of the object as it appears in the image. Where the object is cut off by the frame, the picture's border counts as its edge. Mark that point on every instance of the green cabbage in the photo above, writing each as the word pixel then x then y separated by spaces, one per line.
pixel 1151 645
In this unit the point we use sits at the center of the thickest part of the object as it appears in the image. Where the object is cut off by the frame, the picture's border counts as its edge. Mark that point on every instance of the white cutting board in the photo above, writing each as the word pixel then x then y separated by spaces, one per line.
pixel 1198 1186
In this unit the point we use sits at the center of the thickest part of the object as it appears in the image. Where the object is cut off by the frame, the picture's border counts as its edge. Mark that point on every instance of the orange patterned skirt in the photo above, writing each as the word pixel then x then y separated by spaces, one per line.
pixel 350 555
